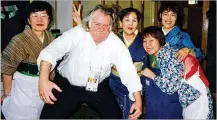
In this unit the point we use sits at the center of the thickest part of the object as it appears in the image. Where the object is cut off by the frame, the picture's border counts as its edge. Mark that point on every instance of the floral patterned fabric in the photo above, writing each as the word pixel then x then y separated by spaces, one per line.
pixel 187 94
pixel 211 114
pixel 170 81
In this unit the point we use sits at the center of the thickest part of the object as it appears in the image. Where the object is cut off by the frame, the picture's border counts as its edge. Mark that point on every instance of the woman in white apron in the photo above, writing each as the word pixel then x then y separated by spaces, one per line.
pixel 18 64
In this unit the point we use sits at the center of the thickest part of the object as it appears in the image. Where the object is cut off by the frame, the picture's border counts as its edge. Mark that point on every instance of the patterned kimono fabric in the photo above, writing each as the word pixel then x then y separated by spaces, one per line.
pixel 138 54
pixel 160 105
pixel 195 83
pixel 24 101
pixel 191 84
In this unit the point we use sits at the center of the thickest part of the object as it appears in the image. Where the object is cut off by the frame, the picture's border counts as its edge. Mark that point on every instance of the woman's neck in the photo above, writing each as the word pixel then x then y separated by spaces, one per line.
pixel 156 53
pixel 129 37
pixel 40 35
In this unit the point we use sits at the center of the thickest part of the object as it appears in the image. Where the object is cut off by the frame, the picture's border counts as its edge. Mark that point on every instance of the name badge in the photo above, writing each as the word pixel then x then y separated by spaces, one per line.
pixel 93 81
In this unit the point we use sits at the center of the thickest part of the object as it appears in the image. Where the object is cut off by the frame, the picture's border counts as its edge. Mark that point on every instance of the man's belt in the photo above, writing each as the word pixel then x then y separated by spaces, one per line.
pixel 28 69
pixel 138 66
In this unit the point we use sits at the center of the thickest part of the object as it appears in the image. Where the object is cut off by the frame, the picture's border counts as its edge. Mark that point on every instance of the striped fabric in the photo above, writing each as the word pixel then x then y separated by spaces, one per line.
pixel 137 65
pixel 24 47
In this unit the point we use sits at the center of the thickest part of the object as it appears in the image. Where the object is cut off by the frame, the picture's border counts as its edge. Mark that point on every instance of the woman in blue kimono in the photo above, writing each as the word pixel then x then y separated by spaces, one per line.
pixel 129 18
pixel 171 16
pixel 184 77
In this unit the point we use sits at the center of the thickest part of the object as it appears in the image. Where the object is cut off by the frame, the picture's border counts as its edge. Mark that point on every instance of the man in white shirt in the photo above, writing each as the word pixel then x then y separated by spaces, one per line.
pixel 89 55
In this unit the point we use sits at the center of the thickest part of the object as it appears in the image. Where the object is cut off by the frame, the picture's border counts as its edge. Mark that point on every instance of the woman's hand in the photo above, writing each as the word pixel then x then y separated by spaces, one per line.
pixel 182 53
pixel 7 85
pixel 148 73
pixel 77 14
pixel 3 97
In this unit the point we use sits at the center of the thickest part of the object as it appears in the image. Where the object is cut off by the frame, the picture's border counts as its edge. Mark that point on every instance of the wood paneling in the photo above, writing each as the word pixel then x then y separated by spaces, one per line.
pixel 204 33
pixel 76 3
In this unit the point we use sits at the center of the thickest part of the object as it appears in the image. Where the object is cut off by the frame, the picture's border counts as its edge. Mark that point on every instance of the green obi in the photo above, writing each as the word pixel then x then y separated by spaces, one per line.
pixel 153 62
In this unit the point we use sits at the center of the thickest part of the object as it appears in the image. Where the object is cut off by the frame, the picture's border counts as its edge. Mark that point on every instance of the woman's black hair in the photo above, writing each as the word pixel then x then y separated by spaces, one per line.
pixel 155 32
pixel 127 11
pixel 174 7
pixel 37 6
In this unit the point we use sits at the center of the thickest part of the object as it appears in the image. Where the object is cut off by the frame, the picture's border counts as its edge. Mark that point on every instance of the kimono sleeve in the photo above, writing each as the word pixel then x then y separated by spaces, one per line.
pixel 169 80
pixel 128 73
pixel 189 44
pixel 12 55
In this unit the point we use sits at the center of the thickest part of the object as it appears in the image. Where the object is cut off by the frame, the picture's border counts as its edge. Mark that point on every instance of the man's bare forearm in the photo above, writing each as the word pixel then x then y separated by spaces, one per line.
pixel 45 68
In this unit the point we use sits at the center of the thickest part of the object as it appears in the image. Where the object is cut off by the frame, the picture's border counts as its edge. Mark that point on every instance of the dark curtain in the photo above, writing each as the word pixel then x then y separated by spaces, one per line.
pixel 13 21
pixel 211 46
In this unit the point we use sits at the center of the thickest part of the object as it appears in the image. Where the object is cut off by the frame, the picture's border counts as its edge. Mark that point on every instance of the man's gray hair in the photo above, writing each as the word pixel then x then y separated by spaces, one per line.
pixel 112 11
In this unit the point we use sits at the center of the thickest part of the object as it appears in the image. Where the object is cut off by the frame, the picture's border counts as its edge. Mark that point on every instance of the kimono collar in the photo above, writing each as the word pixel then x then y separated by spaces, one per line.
pixel 173 36
pixel 173 32
pixel 29 32
pixel 129 43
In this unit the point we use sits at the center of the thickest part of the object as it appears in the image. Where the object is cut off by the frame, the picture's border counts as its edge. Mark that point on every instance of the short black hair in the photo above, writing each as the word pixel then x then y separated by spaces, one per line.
pixel 37 6
pixel 156 32
pixel 126 11
pixel 174 7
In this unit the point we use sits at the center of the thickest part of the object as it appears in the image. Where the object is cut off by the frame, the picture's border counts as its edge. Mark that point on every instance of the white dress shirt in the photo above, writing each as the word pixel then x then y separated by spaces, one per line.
pixel 81 55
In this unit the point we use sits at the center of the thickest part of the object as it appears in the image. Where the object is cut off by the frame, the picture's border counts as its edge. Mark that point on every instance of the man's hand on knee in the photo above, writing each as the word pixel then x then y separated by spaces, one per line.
pixel 135 111
pixel 45 91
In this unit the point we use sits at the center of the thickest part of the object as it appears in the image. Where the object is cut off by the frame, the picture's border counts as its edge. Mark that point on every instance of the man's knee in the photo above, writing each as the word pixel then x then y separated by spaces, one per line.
pixel 2 115
pixel 110 111
pixel 46 113
pixel 116 114
pixel 49 112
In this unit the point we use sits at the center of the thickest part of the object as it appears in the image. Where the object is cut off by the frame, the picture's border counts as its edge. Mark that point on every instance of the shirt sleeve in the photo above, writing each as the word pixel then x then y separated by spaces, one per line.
pixel 169 80
pixel 128 73
pixel 12 55
pixel 188 43
pixel 60 46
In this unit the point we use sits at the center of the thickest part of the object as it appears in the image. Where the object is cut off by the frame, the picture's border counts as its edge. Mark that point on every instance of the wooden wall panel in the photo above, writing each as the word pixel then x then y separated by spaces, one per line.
pixel 204 33
pixel 76 3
